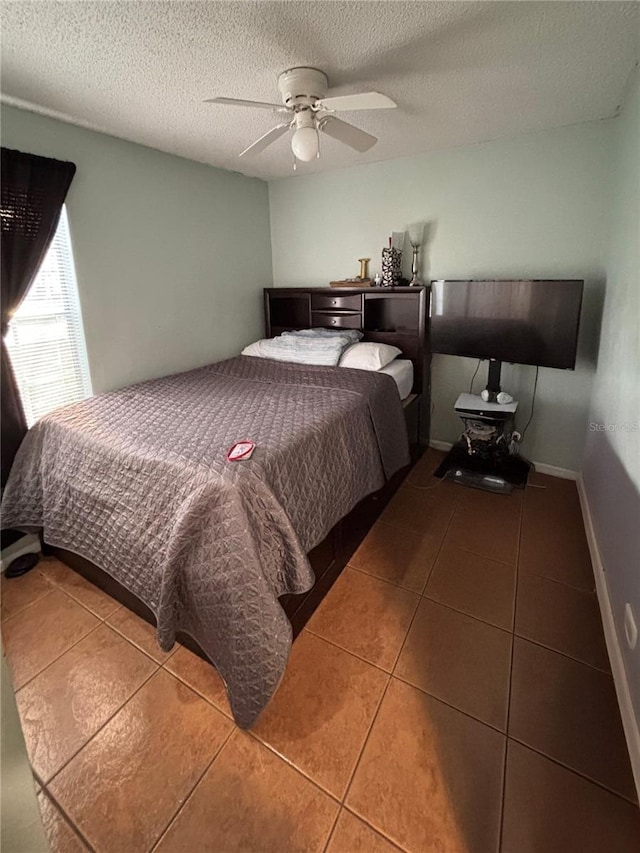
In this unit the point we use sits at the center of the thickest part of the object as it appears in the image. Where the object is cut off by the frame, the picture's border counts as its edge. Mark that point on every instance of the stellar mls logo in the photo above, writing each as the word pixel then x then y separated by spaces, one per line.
pixel 629 426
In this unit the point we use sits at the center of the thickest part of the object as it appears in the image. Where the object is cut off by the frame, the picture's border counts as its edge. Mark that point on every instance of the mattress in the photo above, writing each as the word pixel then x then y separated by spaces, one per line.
pixel 401 371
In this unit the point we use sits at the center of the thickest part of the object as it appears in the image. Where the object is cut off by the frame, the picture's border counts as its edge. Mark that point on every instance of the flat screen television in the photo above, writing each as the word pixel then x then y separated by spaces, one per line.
pixel 524 322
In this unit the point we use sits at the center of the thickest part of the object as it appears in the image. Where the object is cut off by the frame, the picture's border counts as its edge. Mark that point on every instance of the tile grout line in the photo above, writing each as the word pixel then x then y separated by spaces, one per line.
pixel 20 610
pixel 384 693
pixel 293 766
pixel 573 771
pixel 563 654
pixel 400 526
pixel 182 680
pixel 16 690
pixel 55 587
pixel 67 819
pixel 386 580
pixel 118 710
pixel 84 637
pixel 235 728
pixel 511 631
pixel 380 832
pixel 346 651
pixel 62 588
pixel 158 666
pixel 94 735
pixel 485 557
pixel 382 580
pixel 182 805
pixel 468 615
pixel 449 705
pixel 333 829
pixel 76 829
pixel 510 738
pixel 258 740
pixel 579 590
pixel 139 648
pixel 98 730
pixel 534 749
pixel 591 592
pixel 289 762
pixel 364 745
pixel 404 642
pixel 44 785
pixel 513 643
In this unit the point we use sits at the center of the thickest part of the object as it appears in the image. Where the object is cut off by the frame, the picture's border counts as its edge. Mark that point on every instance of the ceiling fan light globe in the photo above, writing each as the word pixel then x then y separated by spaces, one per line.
pixel 304 143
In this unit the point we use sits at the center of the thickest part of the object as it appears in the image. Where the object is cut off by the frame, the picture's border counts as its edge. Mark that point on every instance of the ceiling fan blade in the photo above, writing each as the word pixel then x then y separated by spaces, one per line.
pixel 238 102
pixel 363 101
pixel 347 133
pixel 266 139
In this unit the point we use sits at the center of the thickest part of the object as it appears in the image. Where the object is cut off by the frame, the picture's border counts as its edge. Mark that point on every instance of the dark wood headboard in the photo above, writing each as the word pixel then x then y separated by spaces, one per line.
pixel 396 316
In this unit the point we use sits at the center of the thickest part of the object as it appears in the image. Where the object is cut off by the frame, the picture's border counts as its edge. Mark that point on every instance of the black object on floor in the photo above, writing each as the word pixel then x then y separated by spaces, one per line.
pixel 8 537
pixel 21 565
pixel 511 469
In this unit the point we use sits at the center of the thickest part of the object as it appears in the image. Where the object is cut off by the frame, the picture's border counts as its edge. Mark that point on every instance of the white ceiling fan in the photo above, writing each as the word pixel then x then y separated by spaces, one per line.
pixel 305 110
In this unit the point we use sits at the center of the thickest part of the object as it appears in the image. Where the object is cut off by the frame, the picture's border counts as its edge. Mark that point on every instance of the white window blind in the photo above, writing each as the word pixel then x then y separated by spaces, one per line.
pixel 45 338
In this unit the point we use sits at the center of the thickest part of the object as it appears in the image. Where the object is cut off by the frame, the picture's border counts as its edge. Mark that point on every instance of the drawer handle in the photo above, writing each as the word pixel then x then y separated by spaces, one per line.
pixel 334 321
pixel 334 301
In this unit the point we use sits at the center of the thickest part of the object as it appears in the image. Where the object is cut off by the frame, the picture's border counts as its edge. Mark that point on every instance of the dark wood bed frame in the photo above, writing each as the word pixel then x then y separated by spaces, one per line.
pixel 327 560
pixel 324 307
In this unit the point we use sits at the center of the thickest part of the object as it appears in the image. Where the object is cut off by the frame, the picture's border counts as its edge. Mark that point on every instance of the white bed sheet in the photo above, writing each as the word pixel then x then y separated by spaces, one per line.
pixel 401 370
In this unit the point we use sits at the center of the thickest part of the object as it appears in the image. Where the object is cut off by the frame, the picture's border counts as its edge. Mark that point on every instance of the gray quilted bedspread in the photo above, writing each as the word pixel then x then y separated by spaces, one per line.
pixel 137 482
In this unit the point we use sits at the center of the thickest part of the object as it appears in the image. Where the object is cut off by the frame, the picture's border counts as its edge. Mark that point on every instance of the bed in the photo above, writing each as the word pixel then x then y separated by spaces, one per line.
pixel 401 371
pixel 136 482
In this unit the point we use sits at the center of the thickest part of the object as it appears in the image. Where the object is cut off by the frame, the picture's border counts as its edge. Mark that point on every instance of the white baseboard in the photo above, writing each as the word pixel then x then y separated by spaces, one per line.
pixel 627 712
pixel 541 467
pixel 440 445
pixel 554 471
pixel 28 544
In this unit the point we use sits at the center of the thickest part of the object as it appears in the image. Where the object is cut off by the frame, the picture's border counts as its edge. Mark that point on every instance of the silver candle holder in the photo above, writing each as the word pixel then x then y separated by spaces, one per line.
pixel 416 239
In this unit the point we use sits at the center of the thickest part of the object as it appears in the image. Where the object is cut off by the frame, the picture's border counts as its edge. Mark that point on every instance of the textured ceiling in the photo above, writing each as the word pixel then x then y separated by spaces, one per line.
pixel 460 72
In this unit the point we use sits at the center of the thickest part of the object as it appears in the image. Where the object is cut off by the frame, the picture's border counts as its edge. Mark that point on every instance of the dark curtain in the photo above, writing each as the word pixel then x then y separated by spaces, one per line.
pixel 33 190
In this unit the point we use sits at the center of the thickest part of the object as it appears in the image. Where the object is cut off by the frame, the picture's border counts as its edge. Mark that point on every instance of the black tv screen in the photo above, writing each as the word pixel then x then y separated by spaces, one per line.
pixel 525 322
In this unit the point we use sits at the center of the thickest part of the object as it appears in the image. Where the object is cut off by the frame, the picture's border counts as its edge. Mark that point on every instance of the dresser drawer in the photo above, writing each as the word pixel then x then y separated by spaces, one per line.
pixel 327 320
pixel 327 302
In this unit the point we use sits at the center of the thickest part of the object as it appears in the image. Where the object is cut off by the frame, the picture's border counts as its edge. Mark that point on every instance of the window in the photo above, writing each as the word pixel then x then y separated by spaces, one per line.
pixel 45 338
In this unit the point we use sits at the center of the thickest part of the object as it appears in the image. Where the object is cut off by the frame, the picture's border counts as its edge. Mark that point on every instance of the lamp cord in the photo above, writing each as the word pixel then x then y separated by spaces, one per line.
pixel 474 376
pixel 533 403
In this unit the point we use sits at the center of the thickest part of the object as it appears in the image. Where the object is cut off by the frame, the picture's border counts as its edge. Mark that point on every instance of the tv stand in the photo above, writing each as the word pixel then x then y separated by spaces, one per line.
pixel 493 379
pixel 482 457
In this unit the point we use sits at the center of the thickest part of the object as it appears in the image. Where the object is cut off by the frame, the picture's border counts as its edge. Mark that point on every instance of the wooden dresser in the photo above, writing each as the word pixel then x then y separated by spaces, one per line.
pixel 390 315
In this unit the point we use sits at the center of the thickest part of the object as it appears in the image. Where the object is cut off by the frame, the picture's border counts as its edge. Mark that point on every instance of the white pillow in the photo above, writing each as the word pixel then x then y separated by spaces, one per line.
pixel 324 350
pixel 369 356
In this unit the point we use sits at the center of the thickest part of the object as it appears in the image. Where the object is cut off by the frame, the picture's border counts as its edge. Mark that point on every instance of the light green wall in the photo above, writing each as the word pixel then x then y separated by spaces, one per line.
pixel 612 460
pixel 529 206
pixel 170 255
pixel 616 391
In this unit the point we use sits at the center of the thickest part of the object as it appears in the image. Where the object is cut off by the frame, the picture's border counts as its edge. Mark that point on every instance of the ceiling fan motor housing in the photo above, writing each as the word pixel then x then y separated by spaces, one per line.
pixel 302 87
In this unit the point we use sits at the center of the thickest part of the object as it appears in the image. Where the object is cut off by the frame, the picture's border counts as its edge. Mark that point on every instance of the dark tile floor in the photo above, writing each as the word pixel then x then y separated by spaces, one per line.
pixel 452 693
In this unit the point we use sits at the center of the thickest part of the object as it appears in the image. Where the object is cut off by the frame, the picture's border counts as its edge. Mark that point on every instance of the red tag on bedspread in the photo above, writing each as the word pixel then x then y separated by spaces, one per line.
pixel 240 450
